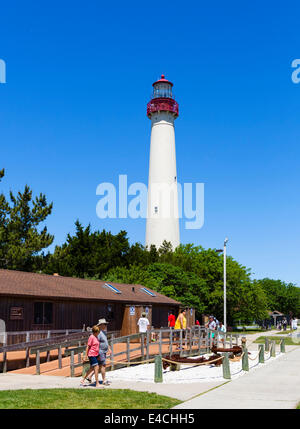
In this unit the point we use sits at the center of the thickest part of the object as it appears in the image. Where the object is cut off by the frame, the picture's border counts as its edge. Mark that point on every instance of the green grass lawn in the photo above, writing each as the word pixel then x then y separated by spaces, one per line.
pixel 288 340
pixel 81 398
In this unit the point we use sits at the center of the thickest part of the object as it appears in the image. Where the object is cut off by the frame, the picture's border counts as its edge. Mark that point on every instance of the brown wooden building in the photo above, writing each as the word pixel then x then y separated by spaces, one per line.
pixel 30 301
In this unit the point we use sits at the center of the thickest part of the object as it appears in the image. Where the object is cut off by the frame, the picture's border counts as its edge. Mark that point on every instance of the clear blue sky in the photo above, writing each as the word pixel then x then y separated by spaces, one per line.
pixel 73 113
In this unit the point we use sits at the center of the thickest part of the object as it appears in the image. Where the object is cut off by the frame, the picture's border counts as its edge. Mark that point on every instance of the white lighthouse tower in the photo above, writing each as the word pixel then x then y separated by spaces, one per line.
pixel 162 211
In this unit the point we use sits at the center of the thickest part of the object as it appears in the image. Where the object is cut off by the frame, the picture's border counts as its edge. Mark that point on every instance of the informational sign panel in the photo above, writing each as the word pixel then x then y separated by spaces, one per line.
pixel 191 311
pixel 132 310
pixel 147 310
pixel 16 313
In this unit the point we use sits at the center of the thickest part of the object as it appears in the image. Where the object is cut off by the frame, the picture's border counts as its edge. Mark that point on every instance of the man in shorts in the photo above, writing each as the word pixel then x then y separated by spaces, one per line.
pixel 104 349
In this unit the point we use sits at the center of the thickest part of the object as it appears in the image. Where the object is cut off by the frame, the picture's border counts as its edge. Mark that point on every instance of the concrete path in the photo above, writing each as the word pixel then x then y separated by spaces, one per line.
pixel 275 386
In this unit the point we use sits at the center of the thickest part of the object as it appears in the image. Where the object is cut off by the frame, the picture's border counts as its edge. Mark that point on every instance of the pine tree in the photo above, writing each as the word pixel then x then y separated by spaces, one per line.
pixel 21 239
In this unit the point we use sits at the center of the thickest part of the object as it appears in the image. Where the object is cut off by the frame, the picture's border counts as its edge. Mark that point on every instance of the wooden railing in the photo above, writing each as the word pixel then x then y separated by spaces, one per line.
pixel 16 337
pixel 197 340
pixel 194 341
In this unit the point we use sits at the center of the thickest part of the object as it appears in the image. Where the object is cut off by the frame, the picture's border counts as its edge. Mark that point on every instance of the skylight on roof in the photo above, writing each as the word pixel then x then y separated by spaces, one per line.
pixel 112 288
pixel 148 292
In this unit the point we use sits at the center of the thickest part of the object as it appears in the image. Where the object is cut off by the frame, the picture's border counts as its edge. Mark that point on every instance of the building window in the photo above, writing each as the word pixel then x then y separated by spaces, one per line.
pixel 155 209
pixel 43 313
pixel 110 312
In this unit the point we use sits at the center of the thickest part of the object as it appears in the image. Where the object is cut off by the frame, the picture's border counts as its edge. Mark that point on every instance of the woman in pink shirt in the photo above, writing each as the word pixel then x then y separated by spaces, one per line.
pixel 92 352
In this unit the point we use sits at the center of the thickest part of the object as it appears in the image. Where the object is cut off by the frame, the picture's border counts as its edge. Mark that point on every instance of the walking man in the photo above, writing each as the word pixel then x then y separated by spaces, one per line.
pixel 104 350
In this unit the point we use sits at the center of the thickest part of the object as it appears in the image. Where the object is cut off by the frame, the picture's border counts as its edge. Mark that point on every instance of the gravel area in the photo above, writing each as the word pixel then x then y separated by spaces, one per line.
pixel 187 374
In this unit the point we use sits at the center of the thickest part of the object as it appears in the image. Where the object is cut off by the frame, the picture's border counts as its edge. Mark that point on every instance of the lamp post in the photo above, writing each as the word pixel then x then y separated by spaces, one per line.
pixel 224 255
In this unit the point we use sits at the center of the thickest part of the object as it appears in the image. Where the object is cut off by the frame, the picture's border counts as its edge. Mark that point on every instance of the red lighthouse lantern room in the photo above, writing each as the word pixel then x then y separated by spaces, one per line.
pixel 162 98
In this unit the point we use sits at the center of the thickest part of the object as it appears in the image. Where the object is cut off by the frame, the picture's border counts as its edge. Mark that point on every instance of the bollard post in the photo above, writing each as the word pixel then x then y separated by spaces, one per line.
pixel 261 356
pixel 158 376
pixel 282 345
pixel 226 366
pixel 245 360
pixel 273 351
pixel 267 344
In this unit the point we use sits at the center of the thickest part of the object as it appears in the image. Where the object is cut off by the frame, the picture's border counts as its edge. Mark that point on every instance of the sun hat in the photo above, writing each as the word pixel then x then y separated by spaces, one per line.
pixel 144 314
pixel 102 322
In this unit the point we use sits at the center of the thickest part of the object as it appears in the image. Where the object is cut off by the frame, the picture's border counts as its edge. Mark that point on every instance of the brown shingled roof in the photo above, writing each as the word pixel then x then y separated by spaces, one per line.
pixel 43 285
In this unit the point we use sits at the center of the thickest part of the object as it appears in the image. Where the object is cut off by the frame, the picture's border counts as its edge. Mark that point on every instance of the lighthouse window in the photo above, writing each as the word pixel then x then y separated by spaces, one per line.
pixel 156 209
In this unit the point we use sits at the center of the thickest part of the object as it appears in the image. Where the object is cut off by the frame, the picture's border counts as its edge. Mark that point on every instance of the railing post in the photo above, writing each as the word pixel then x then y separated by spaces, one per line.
pixel 171 342
pixel 27 337
pixel 147 344
pixel 230 341
pixel 261 358
pixel 199 339
pixel 180 341
pixel 128 350
pixel 226 366
pixel 37 363
pixel 48 334
pixel 72 363
pixel 158 377
pixel 59 357
pixel 112 354
pixel 27 357
pixel 4 369
pixel 282 345
pixel 245 360
pixel 160 342
pixel 142 345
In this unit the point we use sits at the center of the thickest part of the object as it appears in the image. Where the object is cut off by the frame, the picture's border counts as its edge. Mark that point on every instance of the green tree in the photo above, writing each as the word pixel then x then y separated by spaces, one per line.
pixel 21 239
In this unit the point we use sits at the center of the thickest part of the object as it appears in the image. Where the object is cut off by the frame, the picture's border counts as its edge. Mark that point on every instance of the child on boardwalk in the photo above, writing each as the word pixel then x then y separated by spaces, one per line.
pixel 92 352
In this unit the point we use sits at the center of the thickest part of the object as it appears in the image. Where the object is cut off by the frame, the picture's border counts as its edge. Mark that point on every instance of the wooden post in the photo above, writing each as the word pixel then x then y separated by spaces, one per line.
pixel 59 357
pixel 261 357
pixel 27 337
pixel 180 342
pixel 48 334
pixel 230 341
pixel 148 344
pixel 273 351
pixel 48 356
pixel 160 343
pixel 37 363
pixel 171 342
pixel 267 344
pixel 112 353
pixel 142 345
pixel 72 363
pixel 128 350
pixel 199 339
pixel 158 376
pixel 282 345
pixel 245 360
pixel 27 357
pixel 226 366
pixel 191 340
pixel 4 368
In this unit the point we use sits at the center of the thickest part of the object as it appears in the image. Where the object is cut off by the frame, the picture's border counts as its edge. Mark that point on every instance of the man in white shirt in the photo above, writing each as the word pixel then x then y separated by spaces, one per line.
pixel 143 324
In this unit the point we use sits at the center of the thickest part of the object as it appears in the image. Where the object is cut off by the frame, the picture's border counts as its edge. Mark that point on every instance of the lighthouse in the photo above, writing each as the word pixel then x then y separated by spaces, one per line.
pixel 162 209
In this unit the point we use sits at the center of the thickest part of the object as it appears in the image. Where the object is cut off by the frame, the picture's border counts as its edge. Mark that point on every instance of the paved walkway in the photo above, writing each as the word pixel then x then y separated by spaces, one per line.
pixel 275 386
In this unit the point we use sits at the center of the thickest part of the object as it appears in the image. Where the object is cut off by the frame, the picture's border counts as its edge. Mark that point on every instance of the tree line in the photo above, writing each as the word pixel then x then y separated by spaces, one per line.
pixel 190 274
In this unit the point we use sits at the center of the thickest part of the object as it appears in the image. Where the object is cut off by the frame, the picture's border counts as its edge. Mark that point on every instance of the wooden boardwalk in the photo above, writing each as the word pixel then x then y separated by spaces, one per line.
pixel 51 368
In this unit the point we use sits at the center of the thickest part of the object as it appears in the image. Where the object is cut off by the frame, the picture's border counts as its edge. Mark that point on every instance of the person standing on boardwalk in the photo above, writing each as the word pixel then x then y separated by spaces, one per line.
pixel 171 320
pixel 92 353
pixel 104 349
pixel 180 322
pixel 143 324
